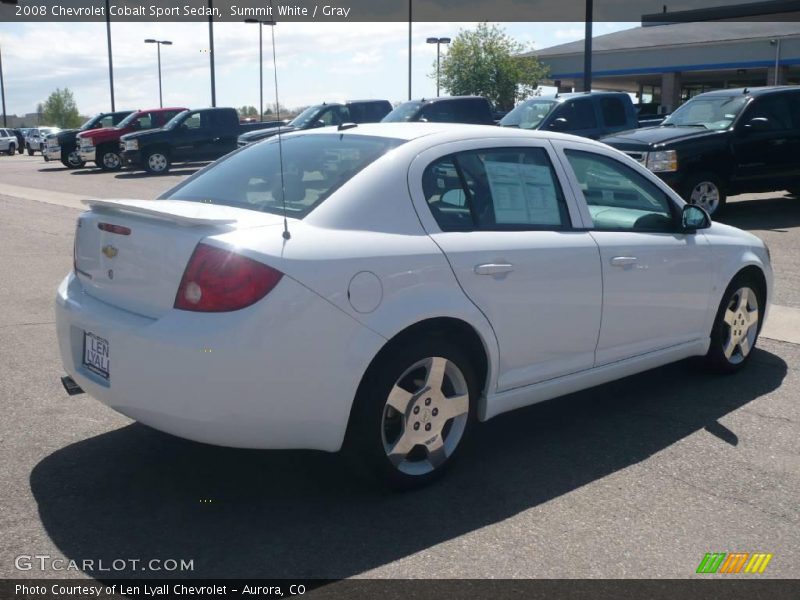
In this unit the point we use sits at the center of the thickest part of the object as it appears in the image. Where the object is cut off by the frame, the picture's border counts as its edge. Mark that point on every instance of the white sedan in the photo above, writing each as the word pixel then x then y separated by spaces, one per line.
pixel 383 287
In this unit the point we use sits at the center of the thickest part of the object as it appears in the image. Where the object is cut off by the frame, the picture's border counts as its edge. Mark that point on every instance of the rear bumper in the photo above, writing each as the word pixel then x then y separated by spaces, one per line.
pixel 273 375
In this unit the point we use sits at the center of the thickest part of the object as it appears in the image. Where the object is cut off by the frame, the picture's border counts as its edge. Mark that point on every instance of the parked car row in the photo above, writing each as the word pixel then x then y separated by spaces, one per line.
pixel 716 144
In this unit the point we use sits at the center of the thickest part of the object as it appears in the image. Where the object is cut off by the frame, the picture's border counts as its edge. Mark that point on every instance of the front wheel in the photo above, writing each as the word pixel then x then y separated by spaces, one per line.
pixel 736 327
pixel 72 160
pixel 412 413
pixel 156 162
pixel 707 191
pixel 30 150
pixel 110 160
pixel 12 149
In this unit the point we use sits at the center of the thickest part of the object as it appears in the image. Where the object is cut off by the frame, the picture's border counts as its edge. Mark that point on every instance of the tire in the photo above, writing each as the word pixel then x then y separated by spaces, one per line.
pixel 12 149
pixel 109 159
pixel 21 149
pixel 406 429
pixel 30 150
pixel 157 162
pixel 72 160
pixel 707 191
pixel 736 325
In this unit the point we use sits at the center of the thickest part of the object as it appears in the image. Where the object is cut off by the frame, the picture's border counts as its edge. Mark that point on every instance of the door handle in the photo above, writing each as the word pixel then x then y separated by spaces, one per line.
pixel 623 261
pixel 216 139
pixel 493 268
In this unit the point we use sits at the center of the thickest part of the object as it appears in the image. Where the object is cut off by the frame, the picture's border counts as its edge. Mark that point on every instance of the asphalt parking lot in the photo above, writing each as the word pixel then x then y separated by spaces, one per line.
pixel 638 478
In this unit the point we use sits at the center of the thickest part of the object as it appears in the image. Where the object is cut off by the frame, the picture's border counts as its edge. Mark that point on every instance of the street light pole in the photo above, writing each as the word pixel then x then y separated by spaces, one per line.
pixel 409 49
pixel 158 44
pixel 587 48
pixel 211 52
pixel 438 41
pixel 110 60
pixel 3 89
pixel 260 62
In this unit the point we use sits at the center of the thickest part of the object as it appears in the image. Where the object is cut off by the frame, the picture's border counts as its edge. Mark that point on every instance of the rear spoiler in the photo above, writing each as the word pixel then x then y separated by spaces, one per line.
pixel 181 212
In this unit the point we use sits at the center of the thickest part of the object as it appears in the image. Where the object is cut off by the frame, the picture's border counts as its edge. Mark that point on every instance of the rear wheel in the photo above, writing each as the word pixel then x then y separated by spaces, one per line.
pixel 156 162
pixel 706 190
pixel 12 149
pixel 412 413
pixel 737 325
pixel 110 160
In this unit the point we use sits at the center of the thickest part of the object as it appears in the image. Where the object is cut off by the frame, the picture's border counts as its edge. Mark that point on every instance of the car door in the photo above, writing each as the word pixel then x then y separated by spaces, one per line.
pixel 762 156
pixel 515 242
pixel 189 139
pixel 657 280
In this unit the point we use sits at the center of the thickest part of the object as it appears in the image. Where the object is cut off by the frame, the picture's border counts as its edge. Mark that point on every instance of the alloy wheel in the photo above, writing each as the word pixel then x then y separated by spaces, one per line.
pixel 706 194
pixel 741 320
pixel 74 159
pixel 157 162
pixel 111 160
pixel 425 416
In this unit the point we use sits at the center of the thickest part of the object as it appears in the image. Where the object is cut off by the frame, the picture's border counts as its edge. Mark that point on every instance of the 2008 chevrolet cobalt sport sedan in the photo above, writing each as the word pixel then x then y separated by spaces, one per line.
pixel 383 287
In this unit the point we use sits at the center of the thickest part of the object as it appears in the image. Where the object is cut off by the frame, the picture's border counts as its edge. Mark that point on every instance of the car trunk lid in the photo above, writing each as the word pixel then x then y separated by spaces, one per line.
pixel 132 253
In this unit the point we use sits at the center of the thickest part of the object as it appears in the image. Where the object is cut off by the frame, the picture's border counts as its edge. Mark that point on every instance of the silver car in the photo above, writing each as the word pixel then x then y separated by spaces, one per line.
pixel 8 141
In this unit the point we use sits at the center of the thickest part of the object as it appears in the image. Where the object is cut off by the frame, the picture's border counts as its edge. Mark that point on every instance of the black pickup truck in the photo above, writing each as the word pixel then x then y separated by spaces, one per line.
pixel 63 145
pixel 193 135
pixel 446 109
pixel 722 143
pixel 587 114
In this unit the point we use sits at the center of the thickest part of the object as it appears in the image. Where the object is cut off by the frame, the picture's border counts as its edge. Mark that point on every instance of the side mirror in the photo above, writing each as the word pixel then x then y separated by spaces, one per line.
pixel 560 124
pixel 694 217
pixel 757 124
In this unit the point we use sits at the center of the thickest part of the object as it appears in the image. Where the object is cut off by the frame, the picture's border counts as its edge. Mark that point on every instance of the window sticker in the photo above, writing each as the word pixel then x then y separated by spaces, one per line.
pixel 522 194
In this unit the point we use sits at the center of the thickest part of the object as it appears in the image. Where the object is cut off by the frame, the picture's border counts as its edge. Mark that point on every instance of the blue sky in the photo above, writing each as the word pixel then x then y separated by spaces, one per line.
pixel 316 61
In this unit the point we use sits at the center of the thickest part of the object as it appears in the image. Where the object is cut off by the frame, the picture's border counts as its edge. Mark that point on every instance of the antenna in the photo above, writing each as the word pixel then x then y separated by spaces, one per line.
pixel 272 23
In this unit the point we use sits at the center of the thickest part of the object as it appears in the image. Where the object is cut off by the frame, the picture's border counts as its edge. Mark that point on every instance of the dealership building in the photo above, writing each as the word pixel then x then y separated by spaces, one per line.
pixel 673 57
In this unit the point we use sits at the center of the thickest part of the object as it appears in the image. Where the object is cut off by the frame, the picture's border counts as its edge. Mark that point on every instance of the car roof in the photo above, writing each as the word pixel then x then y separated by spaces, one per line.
pixel 442 132
pixel 748 91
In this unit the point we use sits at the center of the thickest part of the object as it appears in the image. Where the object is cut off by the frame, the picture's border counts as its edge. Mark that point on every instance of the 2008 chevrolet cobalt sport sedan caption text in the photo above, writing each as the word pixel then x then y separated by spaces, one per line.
pixel 433 276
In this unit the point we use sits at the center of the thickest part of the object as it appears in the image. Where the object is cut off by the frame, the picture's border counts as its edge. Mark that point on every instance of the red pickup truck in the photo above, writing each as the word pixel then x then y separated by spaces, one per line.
pixel 101 146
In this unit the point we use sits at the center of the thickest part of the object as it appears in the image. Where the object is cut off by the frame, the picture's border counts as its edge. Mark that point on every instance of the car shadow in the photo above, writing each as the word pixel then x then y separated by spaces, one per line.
pixel 137 493
pixel 777 213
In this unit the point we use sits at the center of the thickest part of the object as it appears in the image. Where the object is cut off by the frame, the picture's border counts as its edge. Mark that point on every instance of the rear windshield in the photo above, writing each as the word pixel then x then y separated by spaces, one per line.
pixel 314 166
pixel 405 112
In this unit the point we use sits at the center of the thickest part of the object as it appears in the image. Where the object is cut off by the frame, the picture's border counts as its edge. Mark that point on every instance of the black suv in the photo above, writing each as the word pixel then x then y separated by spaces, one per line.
pixel 326 114
pixel 723 143
pixel 446 109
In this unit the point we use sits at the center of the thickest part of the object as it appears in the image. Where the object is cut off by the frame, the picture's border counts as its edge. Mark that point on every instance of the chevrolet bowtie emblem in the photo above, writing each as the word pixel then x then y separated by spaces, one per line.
pixel 109 251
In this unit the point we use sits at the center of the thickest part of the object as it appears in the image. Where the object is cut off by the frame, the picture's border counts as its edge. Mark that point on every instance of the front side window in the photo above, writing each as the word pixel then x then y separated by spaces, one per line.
pixel 314 167
pixel 193 121
pixel 495 189
pixel 613 110
pixel 619 198
pixel 579 115
pixel 407 111
pixel 775 108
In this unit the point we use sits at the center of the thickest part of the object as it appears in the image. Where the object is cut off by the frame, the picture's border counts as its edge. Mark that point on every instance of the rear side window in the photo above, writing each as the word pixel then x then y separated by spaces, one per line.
pixel 613 110
pixel 579 115
pixel 314 167
pixel 497 189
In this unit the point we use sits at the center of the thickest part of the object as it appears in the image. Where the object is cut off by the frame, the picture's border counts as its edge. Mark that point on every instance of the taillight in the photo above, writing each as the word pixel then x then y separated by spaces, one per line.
pixel 111 228
pixel 218 280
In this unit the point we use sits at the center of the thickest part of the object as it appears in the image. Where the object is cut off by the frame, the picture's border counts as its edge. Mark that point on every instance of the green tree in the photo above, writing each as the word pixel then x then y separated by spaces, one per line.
pixel 248 111
pixel 60 110
pixel 485 61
